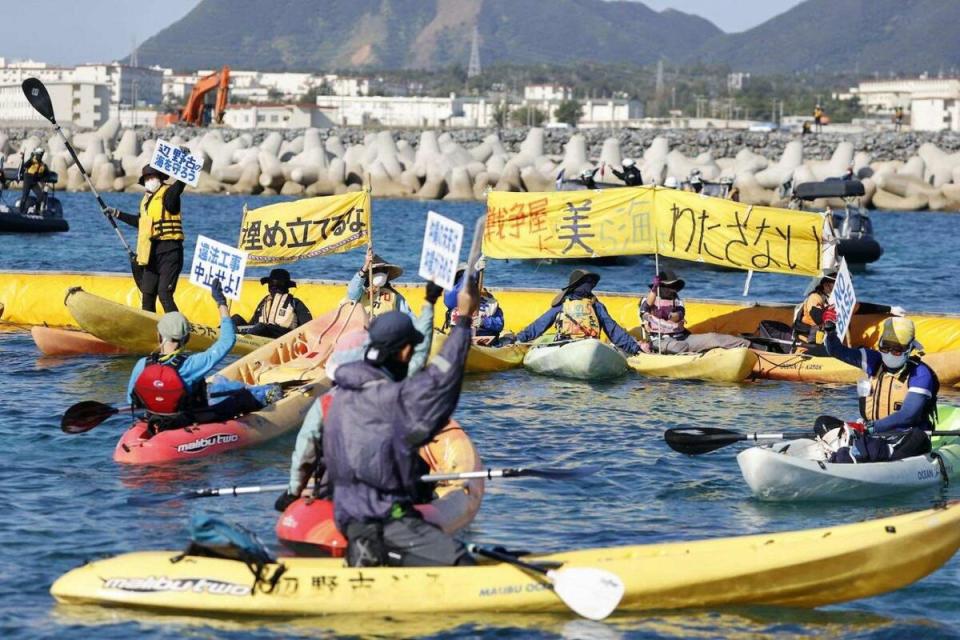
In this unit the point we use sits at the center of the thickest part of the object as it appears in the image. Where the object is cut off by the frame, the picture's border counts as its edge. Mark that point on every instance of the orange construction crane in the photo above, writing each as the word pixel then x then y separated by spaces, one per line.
pixel 192 112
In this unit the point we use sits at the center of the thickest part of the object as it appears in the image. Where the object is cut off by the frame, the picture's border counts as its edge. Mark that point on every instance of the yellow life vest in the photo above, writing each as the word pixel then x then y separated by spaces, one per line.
pixel 384 299
pixel 35 168
pixel 577 319
pixel 278 310
pixel 887 393
pixel 156 223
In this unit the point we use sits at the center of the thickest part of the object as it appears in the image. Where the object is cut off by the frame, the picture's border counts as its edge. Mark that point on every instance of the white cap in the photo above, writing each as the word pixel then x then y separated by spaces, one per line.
pixel 627 162
pixel 670 182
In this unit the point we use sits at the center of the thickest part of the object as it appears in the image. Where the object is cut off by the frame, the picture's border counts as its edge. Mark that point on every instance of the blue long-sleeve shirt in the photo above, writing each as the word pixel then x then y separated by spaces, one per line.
pixel 920 385
pixel 196 366
pixel 617 334
pixel 491 323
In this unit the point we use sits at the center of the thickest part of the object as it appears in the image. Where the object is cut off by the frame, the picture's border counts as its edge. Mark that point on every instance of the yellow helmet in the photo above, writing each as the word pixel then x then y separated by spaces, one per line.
pixel 898 333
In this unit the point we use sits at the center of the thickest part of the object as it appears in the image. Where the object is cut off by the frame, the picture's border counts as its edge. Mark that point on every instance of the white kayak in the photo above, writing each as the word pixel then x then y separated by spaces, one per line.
pixel 587 359
pixel 798 470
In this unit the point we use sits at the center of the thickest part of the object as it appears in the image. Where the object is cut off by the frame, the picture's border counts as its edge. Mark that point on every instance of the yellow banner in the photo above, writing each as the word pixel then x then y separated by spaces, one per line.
pixel 646 220
pixel 569 224
pixel 290 231
pixel 741 236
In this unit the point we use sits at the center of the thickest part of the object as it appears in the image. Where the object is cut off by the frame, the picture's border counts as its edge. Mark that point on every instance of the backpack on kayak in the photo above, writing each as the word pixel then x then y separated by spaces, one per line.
pixel 212 537
pixel 163 393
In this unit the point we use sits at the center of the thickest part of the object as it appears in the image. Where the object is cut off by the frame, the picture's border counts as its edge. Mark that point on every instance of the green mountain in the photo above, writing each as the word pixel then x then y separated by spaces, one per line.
pixel 336 34
pixel 846 35
pixel 825 35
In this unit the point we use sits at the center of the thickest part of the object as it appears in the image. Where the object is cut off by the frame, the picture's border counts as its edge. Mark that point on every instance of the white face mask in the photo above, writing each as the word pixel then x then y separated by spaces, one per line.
pixel 379 279
pixel 151 184
pixel 891 361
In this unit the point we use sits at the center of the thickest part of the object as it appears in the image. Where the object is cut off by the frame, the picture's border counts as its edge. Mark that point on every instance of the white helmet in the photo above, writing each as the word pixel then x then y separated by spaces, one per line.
pixel 628 162
pixel 586 173
pixel 671 183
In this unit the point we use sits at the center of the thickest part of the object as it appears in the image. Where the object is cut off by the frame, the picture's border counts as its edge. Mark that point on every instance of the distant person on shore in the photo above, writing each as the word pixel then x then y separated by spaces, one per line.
pixel 848 174
pixel 629 173
pixel 33 173
pixel 898 119
pixel 159 238
pixel 278 312
pixel 587 178
pixel 805 128
pixel 818 116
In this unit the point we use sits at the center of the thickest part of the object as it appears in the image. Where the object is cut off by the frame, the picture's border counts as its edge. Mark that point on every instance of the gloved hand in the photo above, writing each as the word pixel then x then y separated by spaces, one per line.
pixel 433 293
pixel 216 292
pixel 829 319
pixel 508 338
pixel 645 346
pixel 859 427
pixel 112 212
pixel 284 501
pixel 898 311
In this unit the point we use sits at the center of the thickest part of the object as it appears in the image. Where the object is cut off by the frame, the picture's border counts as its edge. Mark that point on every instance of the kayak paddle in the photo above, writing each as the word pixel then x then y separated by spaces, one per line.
pixel 39 98
pixel 590 593
pixel 85 415
pixel 696 440
pixel 519 472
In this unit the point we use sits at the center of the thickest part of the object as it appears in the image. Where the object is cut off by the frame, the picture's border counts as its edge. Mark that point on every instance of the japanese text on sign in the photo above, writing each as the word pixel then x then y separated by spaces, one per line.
pixel 212 260
pixel 290 231
pixel 442 240
pixel 843 299
pixel 175 162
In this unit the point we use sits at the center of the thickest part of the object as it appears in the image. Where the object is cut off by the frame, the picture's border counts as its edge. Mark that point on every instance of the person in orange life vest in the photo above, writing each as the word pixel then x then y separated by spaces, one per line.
pixel 576 315
pixel 898 399
pixel 488 323
pixel 159 238
pixel 663 316
pixel 278 312
pixel 171 385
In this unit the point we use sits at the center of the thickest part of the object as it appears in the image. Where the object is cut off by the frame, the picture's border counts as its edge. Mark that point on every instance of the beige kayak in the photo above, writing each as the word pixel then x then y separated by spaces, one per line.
pixel 484 359
pixel 136 330
pixel 716 365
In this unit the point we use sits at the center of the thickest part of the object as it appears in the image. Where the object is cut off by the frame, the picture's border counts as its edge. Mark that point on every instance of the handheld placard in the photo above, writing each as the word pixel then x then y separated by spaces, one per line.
pixel 476 247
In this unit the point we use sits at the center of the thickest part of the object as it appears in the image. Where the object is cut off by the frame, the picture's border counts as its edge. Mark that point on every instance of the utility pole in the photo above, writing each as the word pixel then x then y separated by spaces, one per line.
pixel 473 68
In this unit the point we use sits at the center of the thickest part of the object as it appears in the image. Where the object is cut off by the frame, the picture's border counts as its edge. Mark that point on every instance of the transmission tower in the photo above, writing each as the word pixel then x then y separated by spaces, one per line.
pixel 473 69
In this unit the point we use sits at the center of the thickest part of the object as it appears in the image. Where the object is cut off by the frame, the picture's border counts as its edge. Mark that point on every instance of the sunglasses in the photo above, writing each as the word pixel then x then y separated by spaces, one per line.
pixel 894 351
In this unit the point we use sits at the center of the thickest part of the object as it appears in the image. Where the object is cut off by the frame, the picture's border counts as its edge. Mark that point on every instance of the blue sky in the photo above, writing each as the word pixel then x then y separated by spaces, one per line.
pixel 75 31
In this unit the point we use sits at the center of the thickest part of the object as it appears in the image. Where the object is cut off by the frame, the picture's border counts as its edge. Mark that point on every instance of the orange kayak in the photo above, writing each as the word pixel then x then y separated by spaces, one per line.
pixel 70 342
pixel 797 367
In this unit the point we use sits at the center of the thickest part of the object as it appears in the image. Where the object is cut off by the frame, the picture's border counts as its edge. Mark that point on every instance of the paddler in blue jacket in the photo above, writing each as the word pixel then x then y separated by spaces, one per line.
pixel 170 385
pixel 488 322
pixel 577 315
pixel 307 460
pixel 898 399
pixel 375 421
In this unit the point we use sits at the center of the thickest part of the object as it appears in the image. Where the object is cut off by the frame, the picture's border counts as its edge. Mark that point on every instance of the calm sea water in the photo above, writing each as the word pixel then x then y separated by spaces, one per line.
pixel 65 500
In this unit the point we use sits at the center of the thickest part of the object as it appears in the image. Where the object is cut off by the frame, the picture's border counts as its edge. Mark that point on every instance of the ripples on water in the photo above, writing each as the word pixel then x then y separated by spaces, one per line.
pixel 66 500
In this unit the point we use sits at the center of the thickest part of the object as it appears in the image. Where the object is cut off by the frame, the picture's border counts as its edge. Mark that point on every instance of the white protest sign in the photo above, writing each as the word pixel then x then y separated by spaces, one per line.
pixel 442 240
pixel 174 162
pixel 843 299
pixel 212 260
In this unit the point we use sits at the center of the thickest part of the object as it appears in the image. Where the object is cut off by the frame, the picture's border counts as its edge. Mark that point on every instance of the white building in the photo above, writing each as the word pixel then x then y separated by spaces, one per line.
pixel 344 86
pixel 275 116
pixel 935 112
pixel 15 72
pixel 547 92
pixel 176 87
pixel 129 84
pixel 737 81
pixel 881 97
pixel 82 103
pixel 402 111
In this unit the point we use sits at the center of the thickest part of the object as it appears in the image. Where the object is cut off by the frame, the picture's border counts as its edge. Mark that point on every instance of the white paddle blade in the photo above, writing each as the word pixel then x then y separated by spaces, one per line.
pixel 591 593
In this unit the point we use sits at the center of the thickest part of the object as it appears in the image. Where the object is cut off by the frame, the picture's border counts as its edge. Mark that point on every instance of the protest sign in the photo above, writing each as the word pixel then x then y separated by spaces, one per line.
pixel 442 240
pixel 843 299
pixel 177 163
pixel 212 260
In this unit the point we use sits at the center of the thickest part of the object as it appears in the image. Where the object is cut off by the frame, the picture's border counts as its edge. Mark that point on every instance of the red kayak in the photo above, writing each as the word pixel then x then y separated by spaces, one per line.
pixel 69 342
pixel 202 440
pixel 307 528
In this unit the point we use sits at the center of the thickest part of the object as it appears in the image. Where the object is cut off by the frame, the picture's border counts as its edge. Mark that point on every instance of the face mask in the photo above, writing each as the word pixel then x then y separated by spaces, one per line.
pixel 379 279
pixel 891 361
pixel 398 370
pixel 276 290
pixel 151 185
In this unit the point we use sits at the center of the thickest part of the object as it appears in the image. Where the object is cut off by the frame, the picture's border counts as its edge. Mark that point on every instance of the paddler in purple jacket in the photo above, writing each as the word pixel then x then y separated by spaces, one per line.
pixel 375 421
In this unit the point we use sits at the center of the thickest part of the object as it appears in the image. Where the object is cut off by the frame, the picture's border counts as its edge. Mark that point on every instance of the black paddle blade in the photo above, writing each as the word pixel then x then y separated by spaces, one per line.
pixel 696 440
pixel 85 415
pixel 553 474
pixel 38 98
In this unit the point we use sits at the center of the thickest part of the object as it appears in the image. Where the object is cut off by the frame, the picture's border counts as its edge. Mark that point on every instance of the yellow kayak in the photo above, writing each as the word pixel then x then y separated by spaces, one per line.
pixel 809 568
pixel 797 367
pixel 482 359
pixel 716 365
pixel 136 330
